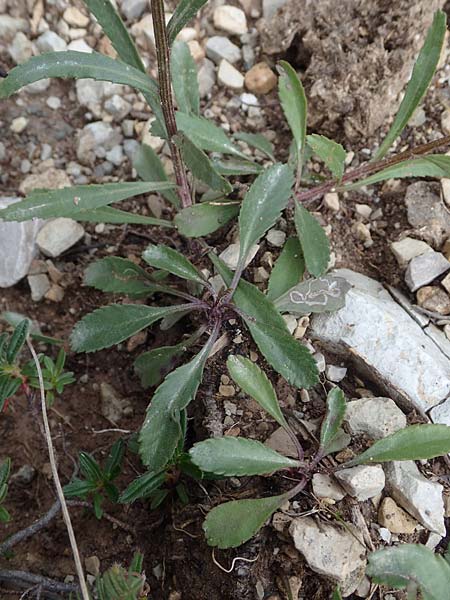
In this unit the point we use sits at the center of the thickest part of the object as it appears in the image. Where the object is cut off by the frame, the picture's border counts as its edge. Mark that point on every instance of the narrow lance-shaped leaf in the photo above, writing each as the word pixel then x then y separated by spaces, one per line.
pixel 433 165
pixel 314 242
pixel 206 135
pixel 236 166
pixel 286 355
pixel 142 487
pixel 184 78
pixel 162 430
pixel 108 214
pixel 417 442
pixel 420 80
pixel 184 12
pixel 200 165
pixel 258 141
pixel 113 324
pixel 411 563
pixel 150 168
pixel 119 275
pixel 232 456
pixel 168 259
pixel 255 383
pixel 295 107
pixel 262 206
pixel 332 153
pixel 205 218
pixel 17 340
pixel 75 65
pixel 288 269
pixel 231 524
pixel 113 26
pixel 333 417
pixel 324 294
pixel 72 201
pixel 337 594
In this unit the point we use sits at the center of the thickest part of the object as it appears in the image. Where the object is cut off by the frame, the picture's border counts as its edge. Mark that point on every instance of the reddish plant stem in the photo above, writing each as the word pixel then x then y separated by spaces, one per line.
pixel 165 92
pixel 370 168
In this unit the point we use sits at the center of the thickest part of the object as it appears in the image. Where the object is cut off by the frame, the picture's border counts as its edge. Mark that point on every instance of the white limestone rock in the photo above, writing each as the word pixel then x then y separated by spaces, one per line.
pixel 362 482
pixel 374 417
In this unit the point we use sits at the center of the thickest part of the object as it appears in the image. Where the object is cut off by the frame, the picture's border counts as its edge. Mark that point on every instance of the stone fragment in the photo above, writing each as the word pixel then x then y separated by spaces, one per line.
pixel 197 52
pixel 9 26
pixel 94 141
pixel 335 374
pixel 230 255
pixel 227 391
pixel 118 107
pixel 434 298
pixel 424 269
pixel 50 41
pixel 114 408
pixel 230 19
pixel 24 476
pixel 21 48
pixel 441 413
pixel 260 79
pixel 50 179
pixel 80 46
pixel 364 210
pixel 17 246
pixel 58 235
pixel 427 212
pixel 325 486
pixel 331 551
pixel 374 417
pixel 19 124
pixel 276 237
pixel 133 9
pixel 92 564
pixel 270 7
pixel 362 482
pixel 416 494
pixel 281 442
pixel 409 248
pixel 394 518
pixel 74 17
pixel 291 323
pixel 219 47
pixel 55 293
pixel 229 76
pixel 331 201
pixel 206 78
pixel 39 286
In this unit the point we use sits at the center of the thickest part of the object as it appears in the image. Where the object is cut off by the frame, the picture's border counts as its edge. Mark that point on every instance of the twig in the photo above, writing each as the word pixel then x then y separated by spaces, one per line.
pixel 25 579
pixel 54 469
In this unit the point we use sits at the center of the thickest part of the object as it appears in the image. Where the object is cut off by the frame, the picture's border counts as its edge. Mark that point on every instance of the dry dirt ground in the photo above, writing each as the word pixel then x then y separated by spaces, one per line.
pixel 178 562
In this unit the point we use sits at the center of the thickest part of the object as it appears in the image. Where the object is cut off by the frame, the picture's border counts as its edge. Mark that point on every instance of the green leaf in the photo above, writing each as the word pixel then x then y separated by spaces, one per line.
pixel 78 487
pixel 162 430
pixel 433 165
pixel 150 168
pixel 205 218
pixel 151 367
pixel 5 469
pixel 337 594
pixel 416 442
pixel 17 340
pixel 325 294
pixel 398 567
pixel 184 78
pixel 14 318
pixel 258 141
pixel 4 515
pixel 142 487
pixel 206 135
pixel 232 456
pixel 115 323
pixel 285 354
pixel 262 206
pixel 294 104
pixel 72 201
pixel 420 80
pixel 113 26
pixel 89 468
pixel 114 461
pixel 334 416
pixel 332 153
pixel 200 165
pixel 168 259
pixel 288 269
pixel 314 242
pixel 184 12
pixel 235 166
pixel 107 214
pixel 119 275
pixel 76 65
pixel 255 383
pixel 231 524
pixel 8 387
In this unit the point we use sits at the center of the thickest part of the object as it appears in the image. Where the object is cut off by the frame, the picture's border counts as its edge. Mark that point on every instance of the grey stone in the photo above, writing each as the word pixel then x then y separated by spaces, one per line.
pixel 37 87
pixel 331 551
pixel 424 269
pixel 133 9
pixel 385 344
pixel 206 78
pixel 231 19
pixel 219 47
pixel 427 212
pixel 374 417
pixel 9 26
pixel 80 46
pixel 24 475
pixel 118 107
pixel 230 255
pixel 50 42
pixel 229 76
pixel 270 7
pixel 276 237
pixel 362 482
pixel 131 147
pixel 39 286
pixel 114 408
pixel 409 248
pixel 116 155
pixel 2 151
pixel 59 235
pixel 416 494
pixel 441 413
pixel 280 441
pixel 21 48
pixel 17 246
pixel 335 374
pixel 325 486
pixel 95 140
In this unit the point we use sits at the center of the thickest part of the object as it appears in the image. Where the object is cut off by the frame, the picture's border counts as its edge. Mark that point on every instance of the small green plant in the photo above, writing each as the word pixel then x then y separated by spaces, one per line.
pixel 97 481
pixel 5 469
pixel 123 584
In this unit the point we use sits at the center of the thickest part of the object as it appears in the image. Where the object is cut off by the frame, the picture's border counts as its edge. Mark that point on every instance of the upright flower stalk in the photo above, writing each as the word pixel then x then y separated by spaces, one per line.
pixel 165 92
